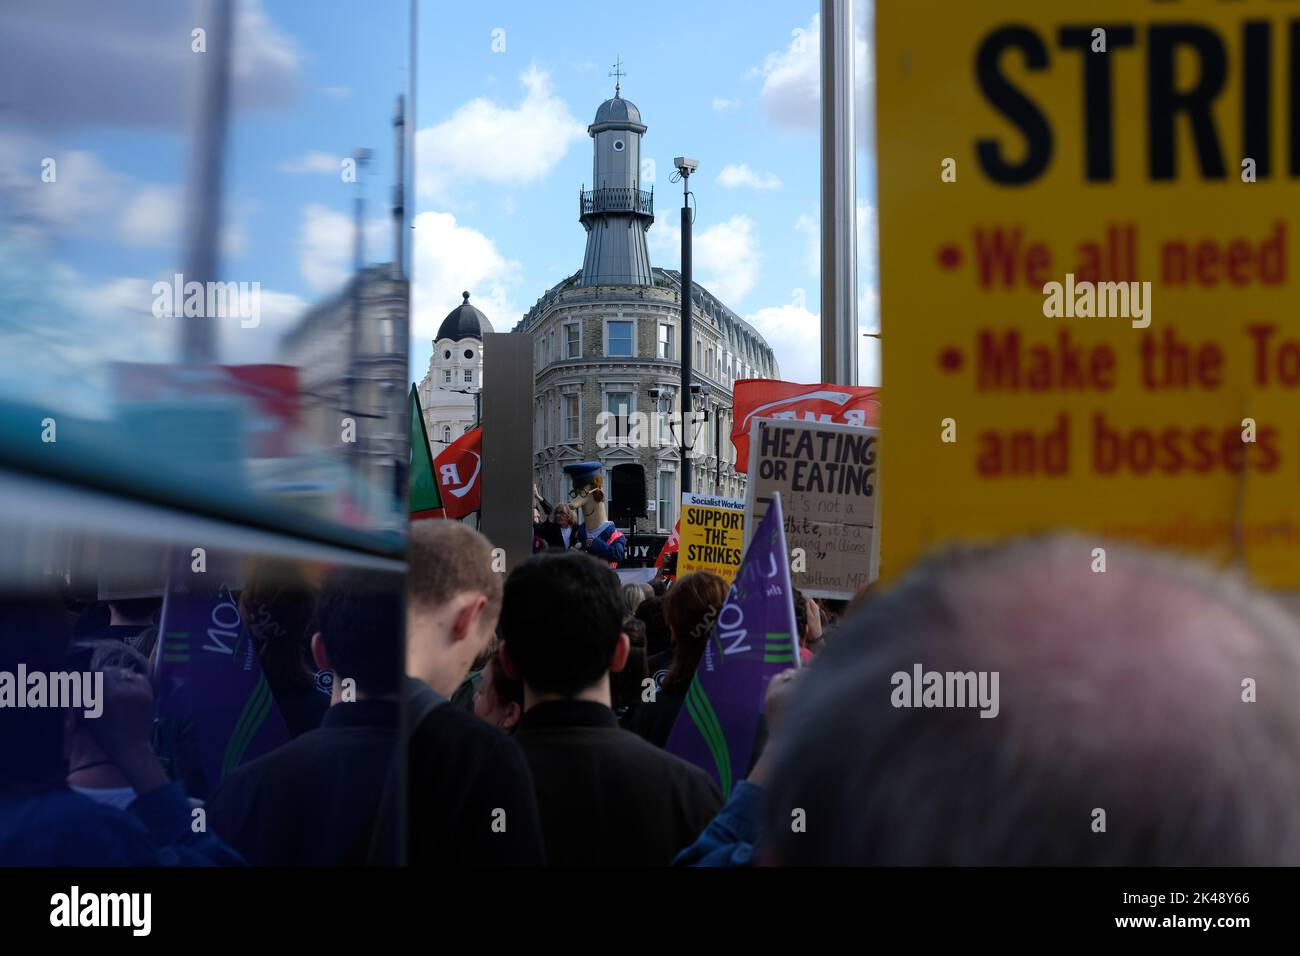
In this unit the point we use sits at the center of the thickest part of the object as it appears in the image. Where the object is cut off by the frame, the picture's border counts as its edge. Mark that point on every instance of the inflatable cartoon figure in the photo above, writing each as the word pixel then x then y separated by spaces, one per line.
pixel 599 536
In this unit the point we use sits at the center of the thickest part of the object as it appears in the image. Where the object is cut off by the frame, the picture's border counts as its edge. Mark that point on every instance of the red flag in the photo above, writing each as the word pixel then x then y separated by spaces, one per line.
pixel 459 471
pixel 670 546
pixel 769 398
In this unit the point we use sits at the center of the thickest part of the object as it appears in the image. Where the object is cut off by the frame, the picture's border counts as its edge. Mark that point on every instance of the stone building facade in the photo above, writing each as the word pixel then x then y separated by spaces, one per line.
pixel 607 347
pixel 449 391
pixel 617 350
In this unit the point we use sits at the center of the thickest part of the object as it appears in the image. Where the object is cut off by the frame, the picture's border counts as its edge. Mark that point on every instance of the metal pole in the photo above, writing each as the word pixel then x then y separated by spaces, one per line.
pixel 839 302
pixel 399 191
pixel 198 339
pixel 358 257
pixel 687 336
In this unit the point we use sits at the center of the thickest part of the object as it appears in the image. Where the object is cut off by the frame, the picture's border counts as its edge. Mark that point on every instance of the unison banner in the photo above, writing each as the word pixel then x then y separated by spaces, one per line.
pixel 754 638
pixel 208 671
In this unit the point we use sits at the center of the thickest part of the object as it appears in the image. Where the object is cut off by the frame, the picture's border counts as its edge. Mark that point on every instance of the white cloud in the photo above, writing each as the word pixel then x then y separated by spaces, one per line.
pixel 153 217
pixel 809 228
pixel 448 258
pixel 131 64
pixel 278 312
pixel 867 238
pixel 868 348
pixel 127 302
pixel 312 162
pixel 484 141
pixel 726 255
pixel 325 246
pixel 84 189
pixel 791 92
pixel 733 176
pixel 723 105
pixel 794 333
pixel 729 257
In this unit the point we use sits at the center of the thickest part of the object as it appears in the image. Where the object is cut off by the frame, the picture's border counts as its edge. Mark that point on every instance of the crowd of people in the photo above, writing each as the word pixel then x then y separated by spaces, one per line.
pixel 521 719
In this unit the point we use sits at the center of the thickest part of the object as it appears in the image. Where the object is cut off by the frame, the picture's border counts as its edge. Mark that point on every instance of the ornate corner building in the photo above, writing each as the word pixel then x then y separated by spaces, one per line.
pixel 607 340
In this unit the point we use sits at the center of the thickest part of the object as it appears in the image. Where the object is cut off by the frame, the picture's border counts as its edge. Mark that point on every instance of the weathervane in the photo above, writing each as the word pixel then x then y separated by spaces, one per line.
pixel 618 74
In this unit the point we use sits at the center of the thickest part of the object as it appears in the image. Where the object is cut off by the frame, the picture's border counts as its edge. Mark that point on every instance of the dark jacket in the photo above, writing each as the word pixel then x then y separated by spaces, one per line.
pixel 606 797
pixel 653 720
pixel 470 797
pixel 314 800
pixel 552 535
pixel 59 827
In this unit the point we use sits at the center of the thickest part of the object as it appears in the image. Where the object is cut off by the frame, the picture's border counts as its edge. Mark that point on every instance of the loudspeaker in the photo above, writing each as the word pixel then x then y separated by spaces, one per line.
pixel 626 493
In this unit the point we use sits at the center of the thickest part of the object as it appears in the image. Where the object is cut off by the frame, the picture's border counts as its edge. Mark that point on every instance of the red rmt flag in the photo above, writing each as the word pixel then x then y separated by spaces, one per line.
pixel 459 473
pixel 769 398
pixel 670 546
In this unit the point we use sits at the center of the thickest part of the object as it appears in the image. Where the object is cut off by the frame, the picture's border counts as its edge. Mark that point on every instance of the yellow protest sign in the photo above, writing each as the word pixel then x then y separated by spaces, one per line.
pixel 1088 274
pixel 712 535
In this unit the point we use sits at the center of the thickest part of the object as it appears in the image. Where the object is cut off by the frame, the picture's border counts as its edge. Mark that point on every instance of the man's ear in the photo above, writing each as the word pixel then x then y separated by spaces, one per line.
pixel 320 657
pixel 465 622
pixel 621 651
pixel 512 715
pixel 508 665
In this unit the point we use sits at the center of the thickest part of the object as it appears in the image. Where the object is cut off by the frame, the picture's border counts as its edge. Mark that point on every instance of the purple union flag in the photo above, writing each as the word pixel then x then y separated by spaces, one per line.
pixel 753 638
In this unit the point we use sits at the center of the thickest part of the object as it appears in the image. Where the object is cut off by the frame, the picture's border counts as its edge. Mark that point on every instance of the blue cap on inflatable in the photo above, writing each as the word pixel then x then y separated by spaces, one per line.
pixel 582 471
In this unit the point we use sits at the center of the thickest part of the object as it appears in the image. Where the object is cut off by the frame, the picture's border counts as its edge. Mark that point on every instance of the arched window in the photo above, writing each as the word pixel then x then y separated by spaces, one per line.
pixel 446 433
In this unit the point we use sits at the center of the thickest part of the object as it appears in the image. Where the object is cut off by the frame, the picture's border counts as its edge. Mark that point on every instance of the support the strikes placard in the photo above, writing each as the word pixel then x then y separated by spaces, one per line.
pixel 1088 243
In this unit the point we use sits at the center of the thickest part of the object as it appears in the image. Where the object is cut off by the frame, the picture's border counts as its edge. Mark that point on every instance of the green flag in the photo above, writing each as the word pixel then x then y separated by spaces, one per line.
pixel 424 497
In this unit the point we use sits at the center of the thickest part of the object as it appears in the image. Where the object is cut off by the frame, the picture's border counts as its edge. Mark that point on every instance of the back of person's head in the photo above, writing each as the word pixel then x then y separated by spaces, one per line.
pixel 500 697
pixel 657 636
pixel 361 621
pixel 625 686
pixel 278 606
pixel 633 595
pixel 658 586
pixel 33 633
pixel 690 608
pixel 561 618
pixel 1126 731
pixel 448 558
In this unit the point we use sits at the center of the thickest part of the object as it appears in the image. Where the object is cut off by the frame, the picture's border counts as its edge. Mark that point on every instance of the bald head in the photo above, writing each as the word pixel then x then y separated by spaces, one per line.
pixel 1121 735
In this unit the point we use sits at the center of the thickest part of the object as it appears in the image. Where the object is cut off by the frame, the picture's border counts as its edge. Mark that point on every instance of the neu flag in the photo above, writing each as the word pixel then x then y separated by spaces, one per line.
pixel 459 468
pixel 208 671
pixel 753 639
pixel 424 501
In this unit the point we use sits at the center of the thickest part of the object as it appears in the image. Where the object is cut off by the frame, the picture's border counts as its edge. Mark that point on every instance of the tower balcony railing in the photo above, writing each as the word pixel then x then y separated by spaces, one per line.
pixel 616 199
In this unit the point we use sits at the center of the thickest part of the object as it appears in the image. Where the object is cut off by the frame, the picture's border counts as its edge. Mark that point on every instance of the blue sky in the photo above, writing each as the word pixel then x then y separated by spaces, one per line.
pixel 502 152
pixel 506 90
pixel 109 104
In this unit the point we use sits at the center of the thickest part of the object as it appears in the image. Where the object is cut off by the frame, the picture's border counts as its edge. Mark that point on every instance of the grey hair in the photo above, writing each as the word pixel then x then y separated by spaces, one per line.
pixel 1120 691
